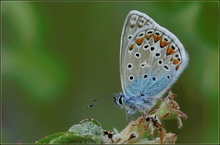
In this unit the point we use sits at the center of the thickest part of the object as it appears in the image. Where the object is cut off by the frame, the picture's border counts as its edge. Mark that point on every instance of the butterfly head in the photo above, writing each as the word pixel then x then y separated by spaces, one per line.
pixel 119 100
pixel 122 102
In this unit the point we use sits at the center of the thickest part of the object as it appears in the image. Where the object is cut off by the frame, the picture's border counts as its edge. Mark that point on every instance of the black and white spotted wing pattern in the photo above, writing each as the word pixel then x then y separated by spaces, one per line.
pixel 133 23
pixel 151 58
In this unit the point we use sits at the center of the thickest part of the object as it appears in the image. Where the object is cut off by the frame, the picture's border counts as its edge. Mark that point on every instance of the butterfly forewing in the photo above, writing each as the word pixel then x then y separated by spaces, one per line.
pixel 151 57
pixel 133 23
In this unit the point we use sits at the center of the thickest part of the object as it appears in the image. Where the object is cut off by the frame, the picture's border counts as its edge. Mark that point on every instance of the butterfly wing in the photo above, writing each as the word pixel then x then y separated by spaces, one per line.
pixel 151 57
pixel 133 22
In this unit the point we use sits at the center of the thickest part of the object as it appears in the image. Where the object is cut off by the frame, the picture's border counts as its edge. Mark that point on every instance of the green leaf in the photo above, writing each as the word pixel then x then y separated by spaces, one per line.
pixel 68 137
pixel 87 131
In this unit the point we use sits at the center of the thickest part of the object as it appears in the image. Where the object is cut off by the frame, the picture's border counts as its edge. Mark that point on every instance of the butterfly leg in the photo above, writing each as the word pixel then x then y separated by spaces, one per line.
pixel 129 115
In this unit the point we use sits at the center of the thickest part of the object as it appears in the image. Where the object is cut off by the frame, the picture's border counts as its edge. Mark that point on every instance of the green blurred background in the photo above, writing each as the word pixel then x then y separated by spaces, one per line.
pixel 57 56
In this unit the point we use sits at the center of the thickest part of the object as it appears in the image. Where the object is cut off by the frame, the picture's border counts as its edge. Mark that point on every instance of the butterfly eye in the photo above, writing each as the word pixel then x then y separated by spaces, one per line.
pixel 120 100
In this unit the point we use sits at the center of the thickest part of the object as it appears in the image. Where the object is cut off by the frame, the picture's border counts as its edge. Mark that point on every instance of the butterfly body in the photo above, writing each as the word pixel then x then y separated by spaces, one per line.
pixel 151 60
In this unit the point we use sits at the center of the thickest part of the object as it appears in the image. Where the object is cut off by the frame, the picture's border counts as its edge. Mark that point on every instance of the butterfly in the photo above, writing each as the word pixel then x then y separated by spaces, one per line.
pixel 151 60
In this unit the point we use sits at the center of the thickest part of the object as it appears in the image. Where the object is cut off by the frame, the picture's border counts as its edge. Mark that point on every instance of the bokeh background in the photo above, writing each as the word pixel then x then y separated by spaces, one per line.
pixel 57 56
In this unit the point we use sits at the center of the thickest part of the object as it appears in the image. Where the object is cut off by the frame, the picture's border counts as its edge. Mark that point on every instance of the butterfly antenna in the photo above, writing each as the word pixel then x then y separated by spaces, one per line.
pixel 99 100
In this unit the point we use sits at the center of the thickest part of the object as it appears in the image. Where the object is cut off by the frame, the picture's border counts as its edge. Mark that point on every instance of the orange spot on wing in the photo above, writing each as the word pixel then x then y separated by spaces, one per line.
pixel 131 25
pixel 140 25
pixel 172 59
pixel 176 61
pixel 139 40
pixel 163 43
pixel 156 38
pixel 170 51
pixel 131 46
pixel 177 67
pixel 148 36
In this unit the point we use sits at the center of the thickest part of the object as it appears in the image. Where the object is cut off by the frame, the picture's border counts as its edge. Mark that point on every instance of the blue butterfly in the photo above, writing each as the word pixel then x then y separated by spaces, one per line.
pixel 151 60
